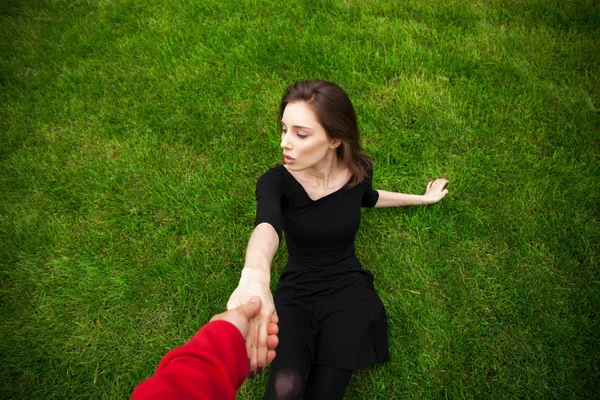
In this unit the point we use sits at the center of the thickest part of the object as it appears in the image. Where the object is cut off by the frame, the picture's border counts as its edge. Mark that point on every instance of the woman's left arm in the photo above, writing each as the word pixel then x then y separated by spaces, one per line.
pixel 436 190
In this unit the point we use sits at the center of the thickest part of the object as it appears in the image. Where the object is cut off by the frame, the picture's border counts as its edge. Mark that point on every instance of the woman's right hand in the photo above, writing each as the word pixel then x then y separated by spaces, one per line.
pixel 254 283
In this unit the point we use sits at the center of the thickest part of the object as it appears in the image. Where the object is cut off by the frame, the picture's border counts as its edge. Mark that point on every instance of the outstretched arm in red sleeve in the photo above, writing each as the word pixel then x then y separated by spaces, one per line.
pixel 211 365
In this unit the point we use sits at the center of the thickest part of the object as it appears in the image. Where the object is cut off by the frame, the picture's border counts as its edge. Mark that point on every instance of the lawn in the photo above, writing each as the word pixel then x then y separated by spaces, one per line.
pixel 132 135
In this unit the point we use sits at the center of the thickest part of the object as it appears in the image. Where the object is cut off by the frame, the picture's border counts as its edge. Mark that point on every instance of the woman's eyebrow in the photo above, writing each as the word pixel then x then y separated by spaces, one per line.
pixel 303 128
pixel 298 126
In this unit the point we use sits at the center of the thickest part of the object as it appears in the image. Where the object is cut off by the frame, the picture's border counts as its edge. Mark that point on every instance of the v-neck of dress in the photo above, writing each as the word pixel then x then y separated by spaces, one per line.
pixel 304 190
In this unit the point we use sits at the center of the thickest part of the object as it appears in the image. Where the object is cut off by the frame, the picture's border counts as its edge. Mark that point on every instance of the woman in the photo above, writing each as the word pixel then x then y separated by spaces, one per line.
pixel 331 320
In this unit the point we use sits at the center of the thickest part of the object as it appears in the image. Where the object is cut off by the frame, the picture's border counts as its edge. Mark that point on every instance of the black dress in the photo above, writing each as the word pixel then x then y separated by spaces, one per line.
pixel 323 291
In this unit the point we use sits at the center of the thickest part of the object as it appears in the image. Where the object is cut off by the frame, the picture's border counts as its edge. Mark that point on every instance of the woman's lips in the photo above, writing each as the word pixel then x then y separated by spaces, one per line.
pixel 287 159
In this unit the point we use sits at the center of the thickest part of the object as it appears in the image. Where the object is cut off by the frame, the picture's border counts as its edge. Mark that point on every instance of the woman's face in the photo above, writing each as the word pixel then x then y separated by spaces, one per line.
pixel 303 140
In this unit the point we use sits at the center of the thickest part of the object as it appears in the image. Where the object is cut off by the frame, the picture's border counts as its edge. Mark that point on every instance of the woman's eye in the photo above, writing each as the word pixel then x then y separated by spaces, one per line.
pixel 301 135
pixel 283 130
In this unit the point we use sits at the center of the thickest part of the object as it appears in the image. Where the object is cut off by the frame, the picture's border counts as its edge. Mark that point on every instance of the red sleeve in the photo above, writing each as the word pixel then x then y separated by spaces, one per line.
pixel 212 365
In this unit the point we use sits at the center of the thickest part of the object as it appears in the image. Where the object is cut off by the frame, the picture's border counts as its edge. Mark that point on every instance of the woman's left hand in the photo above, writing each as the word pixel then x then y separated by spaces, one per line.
pixel 435 191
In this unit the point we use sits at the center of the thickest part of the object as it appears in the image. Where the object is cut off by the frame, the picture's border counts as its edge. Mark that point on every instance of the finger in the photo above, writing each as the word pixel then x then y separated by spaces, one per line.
pixel 251 348
pixel 429 184
pixel 271 356
pixel 272 328
pixel 272 342
pixel 251 308
pixel 439 184
pixel 261 350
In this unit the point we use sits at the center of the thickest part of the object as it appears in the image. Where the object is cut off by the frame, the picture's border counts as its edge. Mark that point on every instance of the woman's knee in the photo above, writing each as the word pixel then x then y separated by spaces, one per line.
pixel 288 385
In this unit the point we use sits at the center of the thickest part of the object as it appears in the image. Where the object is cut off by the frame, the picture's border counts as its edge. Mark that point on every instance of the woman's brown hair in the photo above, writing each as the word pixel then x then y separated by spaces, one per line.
pixel 336 114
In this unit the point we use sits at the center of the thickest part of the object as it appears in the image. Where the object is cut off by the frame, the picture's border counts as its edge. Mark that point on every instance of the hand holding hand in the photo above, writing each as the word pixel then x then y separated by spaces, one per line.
pixel 241 316
pixel 435 191
pixel 257 340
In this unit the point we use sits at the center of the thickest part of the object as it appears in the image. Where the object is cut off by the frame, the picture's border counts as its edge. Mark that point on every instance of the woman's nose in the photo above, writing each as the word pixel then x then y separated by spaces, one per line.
pixel 285 144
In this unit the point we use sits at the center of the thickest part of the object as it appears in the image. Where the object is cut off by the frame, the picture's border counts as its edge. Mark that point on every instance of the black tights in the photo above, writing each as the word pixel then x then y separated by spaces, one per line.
pixel 327 383
pixel 287 376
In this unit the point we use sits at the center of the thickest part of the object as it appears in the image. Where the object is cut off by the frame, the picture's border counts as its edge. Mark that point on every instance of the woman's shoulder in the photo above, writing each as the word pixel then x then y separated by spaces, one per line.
pixel 276 176
pixel 277 173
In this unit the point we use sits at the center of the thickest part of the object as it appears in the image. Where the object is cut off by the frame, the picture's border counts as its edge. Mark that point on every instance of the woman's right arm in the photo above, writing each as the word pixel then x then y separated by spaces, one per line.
pixel 256 281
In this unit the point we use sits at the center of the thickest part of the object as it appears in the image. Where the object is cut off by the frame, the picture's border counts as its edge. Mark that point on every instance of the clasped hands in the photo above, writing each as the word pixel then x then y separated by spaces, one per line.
pixel 260 339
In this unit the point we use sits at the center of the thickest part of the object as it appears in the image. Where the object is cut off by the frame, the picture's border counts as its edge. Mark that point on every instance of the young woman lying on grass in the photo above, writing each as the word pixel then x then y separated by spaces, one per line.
pixel 331 320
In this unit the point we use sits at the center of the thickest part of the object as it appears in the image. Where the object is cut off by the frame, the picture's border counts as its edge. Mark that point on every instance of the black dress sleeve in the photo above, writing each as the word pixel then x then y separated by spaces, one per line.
pixel 270 193
pixel 370 195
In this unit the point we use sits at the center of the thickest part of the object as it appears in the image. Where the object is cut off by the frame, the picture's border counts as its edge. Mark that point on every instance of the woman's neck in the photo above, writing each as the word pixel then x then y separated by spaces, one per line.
pixel 325 174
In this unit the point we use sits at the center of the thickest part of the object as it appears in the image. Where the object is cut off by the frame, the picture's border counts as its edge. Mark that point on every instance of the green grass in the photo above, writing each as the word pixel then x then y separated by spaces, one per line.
pixel 132 134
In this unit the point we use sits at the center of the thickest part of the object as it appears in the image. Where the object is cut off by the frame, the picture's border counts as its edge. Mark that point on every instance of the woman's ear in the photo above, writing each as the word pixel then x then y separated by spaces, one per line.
pixel 335 143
